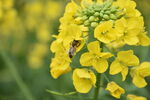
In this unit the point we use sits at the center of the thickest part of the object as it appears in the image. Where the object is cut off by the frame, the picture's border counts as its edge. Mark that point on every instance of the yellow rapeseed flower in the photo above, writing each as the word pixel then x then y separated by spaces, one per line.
pixel 57 47
pixel 70 33
pixel 60 65
pixel 70 11
pixel 105 32
pixel 83 80
pixel 95 57
pixel 115 90
pixel 129 29
pixel 128 7
pixel 139 73
pixel 121 63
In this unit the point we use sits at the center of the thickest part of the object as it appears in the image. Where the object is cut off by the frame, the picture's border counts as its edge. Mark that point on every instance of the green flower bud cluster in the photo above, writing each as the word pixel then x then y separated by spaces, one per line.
pixel 95 13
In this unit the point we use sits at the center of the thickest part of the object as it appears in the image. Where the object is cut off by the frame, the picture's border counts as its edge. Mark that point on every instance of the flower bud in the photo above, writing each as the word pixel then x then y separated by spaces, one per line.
pixel 94 24
pixel 112 16
pixel 101 14
pixel 84 18
pixel 107 12
pixel 96 14
pixel 86 23
pixel 92 18
pixel 106 17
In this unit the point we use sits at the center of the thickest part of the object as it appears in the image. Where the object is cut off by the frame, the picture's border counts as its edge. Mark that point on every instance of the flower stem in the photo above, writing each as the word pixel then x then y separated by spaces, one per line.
pixel 99 82
pixel 96 92
pixel 15 74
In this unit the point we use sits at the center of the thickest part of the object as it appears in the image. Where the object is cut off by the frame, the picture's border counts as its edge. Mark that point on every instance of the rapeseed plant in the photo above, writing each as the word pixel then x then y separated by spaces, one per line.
pixel 91 27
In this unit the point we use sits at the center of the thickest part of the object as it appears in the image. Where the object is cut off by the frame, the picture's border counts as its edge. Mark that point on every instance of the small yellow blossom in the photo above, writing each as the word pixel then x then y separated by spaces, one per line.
pixel 129 29
pixel 60 65
pixel 83 80
pixel 138 74
pixel 69 33
pixel 70 11
pixel 111 23
pixel 104 32
pixel 128 6
pixel 95 57
pixel 121 63
pixel 134 97
pixel 57 46
pixel 115 90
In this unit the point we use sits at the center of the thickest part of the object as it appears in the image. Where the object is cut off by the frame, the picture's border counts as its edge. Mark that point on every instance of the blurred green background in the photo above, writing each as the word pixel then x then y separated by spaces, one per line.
pixel 26 29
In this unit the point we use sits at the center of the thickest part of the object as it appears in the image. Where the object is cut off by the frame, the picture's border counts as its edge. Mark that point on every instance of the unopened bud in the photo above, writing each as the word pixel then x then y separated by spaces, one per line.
pixel 113 10
pixel 86 23
pixel 92 18
pixel 106 17
pixel 94 24
pixel 101 14
pixel 112 16
pixel 107 12
pixel 96 14
pixel 84 18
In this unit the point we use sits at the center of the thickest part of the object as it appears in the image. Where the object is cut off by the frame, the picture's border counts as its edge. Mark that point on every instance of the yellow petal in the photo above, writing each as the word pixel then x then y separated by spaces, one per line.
pixel 135 22
pixel 120 26
pixel 115 67
pixel 115 90
pixel 105 55
pixel 57 71
pixel 144 69
pixel 144 40
pixel 131 40
pixel 82 83
pixel 57 46
pixel 71 7
pixel 139 81
pixel 93 78
pixel 101 65
pixel 102 32
pixel 86 59
pixel 128 58
pixel 124 73
pixel 83 73
pixel 94 47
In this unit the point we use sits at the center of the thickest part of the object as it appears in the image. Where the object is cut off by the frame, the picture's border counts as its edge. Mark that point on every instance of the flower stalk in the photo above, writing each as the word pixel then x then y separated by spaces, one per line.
pixel 96 92
pixel 99 24
pixel 99 82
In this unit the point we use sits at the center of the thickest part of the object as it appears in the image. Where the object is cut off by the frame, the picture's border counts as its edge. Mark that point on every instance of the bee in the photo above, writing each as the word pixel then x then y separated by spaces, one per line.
pixel 74 45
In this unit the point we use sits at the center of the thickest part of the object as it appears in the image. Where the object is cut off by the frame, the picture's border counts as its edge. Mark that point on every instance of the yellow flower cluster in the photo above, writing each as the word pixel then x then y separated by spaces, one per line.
pixel 23 20
pixel 88 28
pixel 39 18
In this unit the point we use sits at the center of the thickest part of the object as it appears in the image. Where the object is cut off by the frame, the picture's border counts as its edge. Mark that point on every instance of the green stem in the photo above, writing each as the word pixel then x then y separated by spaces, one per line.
pixel 15 74
pixel 99 82
pixel 96 92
